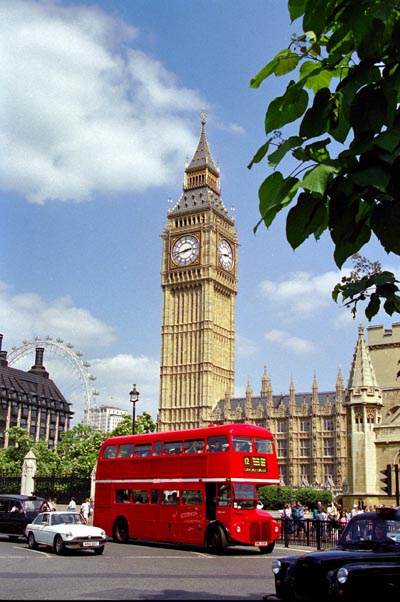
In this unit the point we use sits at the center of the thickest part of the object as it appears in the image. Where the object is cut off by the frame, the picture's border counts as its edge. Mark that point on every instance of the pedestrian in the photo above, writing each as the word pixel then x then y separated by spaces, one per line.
pixel 91 509
pixel 84 510
pixel 72 504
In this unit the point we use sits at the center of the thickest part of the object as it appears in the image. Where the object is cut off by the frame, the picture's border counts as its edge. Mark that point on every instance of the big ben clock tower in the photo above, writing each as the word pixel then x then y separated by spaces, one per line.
pixel 199 283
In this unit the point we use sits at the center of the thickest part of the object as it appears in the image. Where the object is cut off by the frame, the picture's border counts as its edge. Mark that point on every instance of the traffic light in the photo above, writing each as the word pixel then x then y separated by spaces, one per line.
pixel 387 480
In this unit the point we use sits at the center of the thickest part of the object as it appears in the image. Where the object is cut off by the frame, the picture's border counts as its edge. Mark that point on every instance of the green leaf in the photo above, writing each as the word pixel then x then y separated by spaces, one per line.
pixel 375 175
pixel 260 154
pixel 385 223
pixel 308 216
pixel 315 121
pixel 284 62
pixel 368 111
pixel 314 77
pixel 296 8
pixel 317 151
pixel 317 178
pixel 286 108
pixel 373 306
pixel 274 194
pixel 346 245
pixel 292 142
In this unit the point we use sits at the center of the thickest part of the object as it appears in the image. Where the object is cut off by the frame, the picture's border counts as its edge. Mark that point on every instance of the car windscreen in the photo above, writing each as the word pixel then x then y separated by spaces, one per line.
pixel 376 530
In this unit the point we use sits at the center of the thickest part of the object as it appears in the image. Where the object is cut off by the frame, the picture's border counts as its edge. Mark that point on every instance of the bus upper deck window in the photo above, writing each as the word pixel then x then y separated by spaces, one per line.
pixel 143 450
pixel 110 451
pixel 194 446
pixel 217 444
pixel 125 450
pixel 173 447
pixel 264 446
pixel 242 444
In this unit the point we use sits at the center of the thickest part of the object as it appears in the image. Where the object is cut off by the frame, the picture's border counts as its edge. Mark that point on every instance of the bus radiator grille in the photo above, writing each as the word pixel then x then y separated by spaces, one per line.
pixel 260 532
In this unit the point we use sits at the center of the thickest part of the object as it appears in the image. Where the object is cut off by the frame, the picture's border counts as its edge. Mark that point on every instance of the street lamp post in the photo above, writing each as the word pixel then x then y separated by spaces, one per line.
pixel 134 398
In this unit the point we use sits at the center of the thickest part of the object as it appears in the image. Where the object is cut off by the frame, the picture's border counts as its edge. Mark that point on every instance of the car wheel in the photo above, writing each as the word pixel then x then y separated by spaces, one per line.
pixel 217 540
pixel 267 549
pixel 58 545
pixel 121 531
pixel 32 541
pixel 98 551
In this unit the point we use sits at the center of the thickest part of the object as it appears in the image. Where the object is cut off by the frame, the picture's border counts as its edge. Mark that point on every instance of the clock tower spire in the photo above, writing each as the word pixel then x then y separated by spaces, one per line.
pixel 199 283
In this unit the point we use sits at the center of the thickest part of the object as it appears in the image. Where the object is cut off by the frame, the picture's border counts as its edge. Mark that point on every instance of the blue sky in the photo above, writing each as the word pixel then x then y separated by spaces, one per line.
pixel 100 110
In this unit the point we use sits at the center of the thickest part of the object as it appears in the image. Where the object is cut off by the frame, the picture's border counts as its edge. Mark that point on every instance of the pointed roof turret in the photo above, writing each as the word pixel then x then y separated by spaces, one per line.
pixel 202 158
pixel 201 188
pixel 362 374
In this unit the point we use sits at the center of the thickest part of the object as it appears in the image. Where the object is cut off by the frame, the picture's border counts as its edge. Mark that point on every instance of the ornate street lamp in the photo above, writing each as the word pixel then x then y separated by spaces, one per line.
pixel 134 398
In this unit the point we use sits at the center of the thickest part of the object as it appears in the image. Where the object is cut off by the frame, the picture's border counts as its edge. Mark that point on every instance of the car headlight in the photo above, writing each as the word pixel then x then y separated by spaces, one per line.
pixel 342 575
pixel 68 535
pixel 276 566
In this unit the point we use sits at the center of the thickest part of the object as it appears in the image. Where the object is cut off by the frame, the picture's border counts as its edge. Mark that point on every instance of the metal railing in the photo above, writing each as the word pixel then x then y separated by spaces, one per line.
pixel 308 532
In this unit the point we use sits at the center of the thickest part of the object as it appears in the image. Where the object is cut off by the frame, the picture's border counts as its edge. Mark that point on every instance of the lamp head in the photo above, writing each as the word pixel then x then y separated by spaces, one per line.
pixel 134 395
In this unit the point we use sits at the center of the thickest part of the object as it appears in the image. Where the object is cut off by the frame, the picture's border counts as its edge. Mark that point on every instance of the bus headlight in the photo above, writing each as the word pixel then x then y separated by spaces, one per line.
pixel 276 566
pixel 238 528
pixel 342 575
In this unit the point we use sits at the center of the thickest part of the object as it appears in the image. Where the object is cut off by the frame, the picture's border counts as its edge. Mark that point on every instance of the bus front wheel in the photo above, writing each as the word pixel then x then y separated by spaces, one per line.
pixel 121 531
pixel 267 549
pixel 217 540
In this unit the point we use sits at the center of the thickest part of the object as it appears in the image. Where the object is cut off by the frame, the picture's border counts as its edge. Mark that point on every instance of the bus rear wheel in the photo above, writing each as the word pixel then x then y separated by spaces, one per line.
pixel 217 540
pixel 120 531
pixel 267 549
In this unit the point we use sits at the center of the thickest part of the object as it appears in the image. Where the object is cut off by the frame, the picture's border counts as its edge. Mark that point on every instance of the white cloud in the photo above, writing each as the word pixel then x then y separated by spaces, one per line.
pixel 245 347
pixel 81 112
pixel 300 292
pixel 117 375
pixel 27 315
pixel 283 339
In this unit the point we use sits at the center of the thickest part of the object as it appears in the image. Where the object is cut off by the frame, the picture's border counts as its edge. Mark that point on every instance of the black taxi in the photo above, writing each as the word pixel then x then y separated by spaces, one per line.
pixel 16 511
pixel 364 565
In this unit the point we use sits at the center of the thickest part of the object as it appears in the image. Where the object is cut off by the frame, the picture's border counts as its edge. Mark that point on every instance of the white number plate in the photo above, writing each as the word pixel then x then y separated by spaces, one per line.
pixel 90 544
pixel 261 543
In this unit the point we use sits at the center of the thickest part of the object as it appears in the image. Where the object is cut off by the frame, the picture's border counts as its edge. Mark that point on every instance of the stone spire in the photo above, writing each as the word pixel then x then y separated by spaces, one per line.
pixel 201 188
pixel 362 380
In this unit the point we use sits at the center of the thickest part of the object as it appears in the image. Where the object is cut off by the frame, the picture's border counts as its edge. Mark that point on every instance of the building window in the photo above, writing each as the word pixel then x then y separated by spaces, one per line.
pixel 281 426
pixel 328 424
pixel 281 445
pixel 305 448
pixel 329 448
pixel 304 426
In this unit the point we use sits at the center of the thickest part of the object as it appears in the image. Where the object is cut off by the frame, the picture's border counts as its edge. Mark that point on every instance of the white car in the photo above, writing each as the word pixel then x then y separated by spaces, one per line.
pixel 64 531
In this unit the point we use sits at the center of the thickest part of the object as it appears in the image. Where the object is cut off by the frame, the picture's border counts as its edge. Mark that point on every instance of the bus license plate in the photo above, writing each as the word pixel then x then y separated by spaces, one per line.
pixel 261 543
pixel 90 544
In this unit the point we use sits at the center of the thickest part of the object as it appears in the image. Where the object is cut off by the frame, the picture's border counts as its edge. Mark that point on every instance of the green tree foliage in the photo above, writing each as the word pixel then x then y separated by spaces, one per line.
pixel 274 497
pixel 345 102
pixel 78 450
pixel 143 424
pixel 76 453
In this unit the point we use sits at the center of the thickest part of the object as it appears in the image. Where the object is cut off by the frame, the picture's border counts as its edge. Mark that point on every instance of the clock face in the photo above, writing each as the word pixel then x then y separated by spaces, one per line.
pixel 225 255
pixel 185 250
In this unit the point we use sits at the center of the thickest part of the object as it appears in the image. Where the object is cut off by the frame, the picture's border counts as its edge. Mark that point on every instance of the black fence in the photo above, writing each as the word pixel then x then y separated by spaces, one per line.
pixel 308 532
pixel 60 488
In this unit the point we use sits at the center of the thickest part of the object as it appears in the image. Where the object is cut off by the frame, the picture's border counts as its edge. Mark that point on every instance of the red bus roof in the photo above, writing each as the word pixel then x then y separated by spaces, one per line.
pixel 239 429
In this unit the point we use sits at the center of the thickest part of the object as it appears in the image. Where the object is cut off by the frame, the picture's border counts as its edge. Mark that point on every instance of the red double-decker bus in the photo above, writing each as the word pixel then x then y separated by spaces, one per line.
pixel 195 487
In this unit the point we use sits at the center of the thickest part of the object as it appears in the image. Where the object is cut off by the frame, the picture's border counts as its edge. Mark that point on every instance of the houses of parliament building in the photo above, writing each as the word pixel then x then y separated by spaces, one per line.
pixel 338 439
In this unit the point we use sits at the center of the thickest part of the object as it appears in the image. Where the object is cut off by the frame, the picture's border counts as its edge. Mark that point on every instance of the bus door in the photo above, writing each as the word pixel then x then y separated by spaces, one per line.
pixel 211 500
